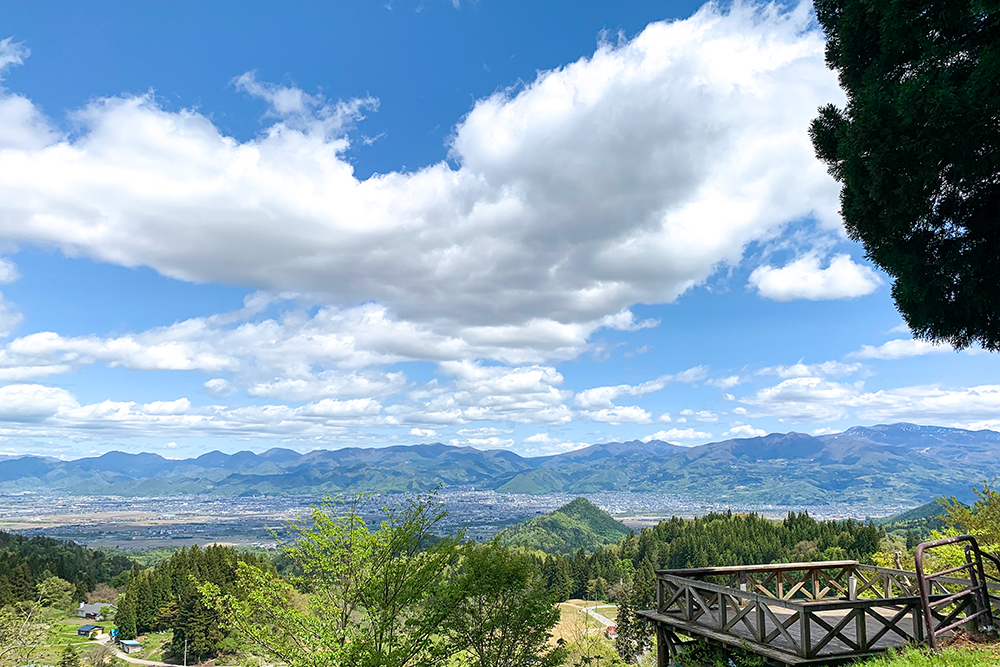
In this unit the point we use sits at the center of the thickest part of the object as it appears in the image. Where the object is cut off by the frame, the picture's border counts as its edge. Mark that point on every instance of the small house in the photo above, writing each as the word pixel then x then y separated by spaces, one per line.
pixel 90 631
pixel 94 611
pixel 130 646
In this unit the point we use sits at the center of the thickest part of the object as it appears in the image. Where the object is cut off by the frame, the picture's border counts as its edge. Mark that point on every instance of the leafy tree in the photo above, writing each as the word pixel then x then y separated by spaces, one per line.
pixel 22 628
pixel 501 613
pixel 57 593
pixel 981 519
pixel 917 149
pixel 373 594
pixel 69 657
pixel 100 655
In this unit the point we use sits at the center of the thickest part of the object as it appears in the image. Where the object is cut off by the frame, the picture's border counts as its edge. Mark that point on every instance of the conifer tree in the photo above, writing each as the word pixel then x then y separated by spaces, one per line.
pixel 125 618
pixel 145 609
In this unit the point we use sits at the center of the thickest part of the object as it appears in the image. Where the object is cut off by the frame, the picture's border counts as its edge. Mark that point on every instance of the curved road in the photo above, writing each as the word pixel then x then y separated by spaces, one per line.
pixel 106 639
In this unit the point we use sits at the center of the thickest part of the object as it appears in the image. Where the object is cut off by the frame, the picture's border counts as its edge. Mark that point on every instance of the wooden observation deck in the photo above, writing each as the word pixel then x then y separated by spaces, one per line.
pixel 819 613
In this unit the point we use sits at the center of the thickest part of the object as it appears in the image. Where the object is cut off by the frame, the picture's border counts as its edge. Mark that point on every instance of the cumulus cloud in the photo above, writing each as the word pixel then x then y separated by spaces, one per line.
pixel 33 402
pixel 492 442
pixel 810 400
pixel 10 319
pixel 740 430
pixel 479 392
pixel 484 431
pixel 619 414
pixel 552 216
pixel 37 410
pixel 901 348
pixel 678 434
pixel 8 272
pixel 604 397
pixel 701 415
pixel 423 432
pixel 805 278
pixel 797 370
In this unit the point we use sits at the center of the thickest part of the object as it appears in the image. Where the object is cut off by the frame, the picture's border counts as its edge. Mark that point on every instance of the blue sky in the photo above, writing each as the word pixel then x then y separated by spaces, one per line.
pixel 522 225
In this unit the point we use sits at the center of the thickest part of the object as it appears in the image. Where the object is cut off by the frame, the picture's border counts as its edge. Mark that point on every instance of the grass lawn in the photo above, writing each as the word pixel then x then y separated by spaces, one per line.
pixel 153 645
pixel 950 657
pixel 63 632
pixel 574 624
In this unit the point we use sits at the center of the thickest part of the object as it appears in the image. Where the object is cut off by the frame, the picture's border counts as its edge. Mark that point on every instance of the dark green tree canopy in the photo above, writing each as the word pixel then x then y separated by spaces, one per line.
pixel 917 149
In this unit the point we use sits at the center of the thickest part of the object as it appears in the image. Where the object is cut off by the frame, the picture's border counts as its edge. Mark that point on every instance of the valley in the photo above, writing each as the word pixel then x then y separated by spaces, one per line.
pixel 248 521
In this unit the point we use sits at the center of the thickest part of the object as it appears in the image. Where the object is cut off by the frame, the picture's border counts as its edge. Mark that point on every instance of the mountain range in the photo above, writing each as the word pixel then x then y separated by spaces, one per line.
pixel 892 463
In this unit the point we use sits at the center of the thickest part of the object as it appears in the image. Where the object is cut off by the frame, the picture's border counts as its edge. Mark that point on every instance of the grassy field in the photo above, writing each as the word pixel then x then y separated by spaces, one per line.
pixel 574 624
pixel 154 645
pixel 62 633
pixel 967 656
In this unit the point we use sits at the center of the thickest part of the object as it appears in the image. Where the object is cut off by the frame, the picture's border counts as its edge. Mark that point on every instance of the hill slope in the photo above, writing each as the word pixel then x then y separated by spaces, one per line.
pixel 578 525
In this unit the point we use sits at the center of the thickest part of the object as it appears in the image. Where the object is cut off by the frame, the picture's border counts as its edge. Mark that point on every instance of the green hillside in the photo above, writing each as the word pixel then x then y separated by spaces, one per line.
pixel 578 525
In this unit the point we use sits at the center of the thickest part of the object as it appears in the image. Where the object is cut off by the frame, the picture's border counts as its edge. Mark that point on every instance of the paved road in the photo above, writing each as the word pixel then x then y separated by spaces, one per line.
pixel 592 612
pixel 106 639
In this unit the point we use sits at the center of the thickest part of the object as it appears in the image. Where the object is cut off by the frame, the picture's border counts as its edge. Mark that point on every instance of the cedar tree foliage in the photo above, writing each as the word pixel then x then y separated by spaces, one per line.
pixel 917 149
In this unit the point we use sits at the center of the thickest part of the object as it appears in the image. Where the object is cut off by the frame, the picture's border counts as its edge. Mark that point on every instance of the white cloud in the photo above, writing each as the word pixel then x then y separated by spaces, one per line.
pixel 39 411
pixel 824 369
pixel 484 443
pixel 804 278
pixel 604 397
pixel 8 272
pixel 901 348
pixel 484 431
pixel 527 394
pixel 10 318
pixel 701 415
pixel 329 383
pixel 219 387
pixel 740 430
pixel 620 414
pixel 599 397
pixel 556 217
pixel 541 438
pixel 32 402
pixel 727 382
pixel 810 400
pixel 423 432
pixel 678 434
pixel 805 399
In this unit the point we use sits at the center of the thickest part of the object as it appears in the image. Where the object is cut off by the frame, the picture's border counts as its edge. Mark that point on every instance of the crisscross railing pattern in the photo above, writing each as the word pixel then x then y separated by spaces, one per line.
pixel 800 613
pixel 790 609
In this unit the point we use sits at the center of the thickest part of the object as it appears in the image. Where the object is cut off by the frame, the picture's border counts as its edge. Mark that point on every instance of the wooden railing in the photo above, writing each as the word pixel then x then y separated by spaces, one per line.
pixel 809 610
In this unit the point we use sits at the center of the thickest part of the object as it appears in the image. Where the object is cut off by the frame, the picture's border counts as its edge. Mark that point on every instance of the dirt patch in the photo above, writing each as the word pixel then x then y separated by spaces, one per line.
pixel 976 640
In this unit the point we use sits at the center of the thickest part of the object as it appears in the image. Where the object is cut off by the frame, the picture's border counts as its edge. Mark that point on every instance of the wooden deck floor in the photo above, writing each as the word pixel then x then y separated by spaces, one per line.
pixel 781 649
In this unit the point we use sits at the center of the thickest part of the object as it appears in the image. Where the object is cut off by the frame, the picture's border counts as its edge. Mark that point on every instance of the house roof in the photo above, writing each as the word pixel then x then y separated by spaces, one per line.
pixel 94 608
pixel 89 627
pixel 130 642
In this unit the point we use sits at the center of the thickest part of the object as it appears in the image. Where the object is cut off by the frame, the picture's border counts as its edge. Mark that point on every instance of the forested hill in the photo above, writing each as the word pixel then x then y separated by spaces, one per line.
pixel 898 463
pixel 578 525
pixel 26 562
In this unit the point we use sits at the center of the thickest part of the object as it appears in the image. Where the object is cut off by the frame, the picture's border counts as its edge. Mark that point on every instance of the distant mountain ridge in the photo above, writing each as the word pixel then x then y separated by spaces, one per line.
pixel 892 463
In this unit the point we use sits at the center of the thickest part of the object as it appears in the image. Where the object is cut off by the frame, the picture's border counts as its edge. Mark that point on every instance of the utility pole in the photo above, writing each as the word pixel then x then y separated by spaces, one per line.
pixel 185 652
